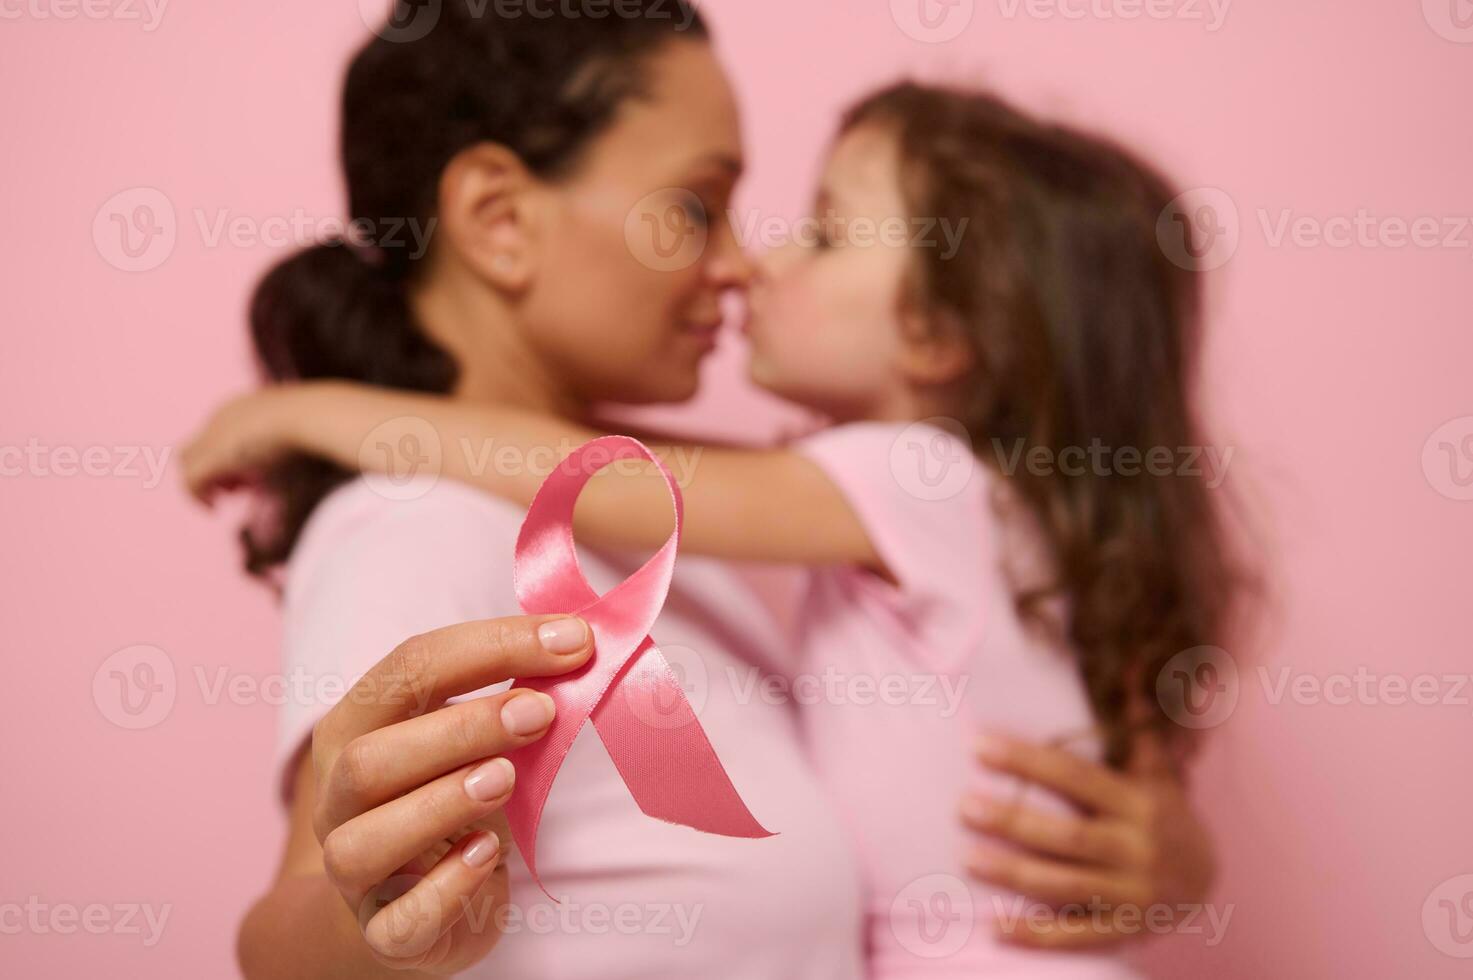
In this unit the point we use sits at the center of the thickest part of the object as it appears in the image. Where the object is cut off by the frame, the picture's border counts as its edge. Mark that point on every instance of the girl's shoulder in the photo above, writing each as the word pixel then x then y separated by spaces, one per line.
pixel 921 493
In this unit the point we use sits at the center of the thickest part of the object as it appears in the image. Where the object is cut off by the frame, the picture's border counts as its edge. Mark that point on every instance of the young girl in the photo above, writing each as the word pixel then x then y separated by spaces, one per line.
pixel 983 551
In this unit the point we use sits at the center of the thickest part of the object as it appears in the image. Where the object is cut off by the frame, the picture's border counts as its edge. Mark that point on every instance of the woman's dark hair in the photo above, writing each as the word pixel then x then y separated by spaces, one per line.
pixel 540 79
pixel 1084 332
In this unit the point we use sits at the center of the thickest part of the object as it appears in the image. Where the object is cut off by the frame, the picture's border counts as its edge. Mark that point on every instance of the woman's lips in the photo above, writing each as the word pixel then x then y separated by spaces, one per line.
pixel 705 332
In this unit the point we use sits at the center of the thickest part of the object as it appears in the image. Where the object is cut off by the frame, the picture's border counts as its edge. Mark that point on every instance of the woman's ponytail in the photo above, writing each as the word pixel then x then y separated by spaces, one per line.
pixel 334 310
pixel 541 86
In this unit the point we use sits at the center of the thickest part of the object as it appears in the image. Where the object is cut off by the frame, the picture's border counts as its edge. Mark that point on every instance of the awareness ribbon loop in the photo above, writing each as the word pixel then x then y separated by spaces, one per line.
pixel 670 768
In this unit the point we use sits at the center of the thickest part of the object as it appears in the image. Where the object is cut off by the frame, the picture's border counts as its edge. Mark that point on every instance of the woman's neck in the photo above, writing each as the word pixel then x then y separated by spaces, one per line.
pixel 496 365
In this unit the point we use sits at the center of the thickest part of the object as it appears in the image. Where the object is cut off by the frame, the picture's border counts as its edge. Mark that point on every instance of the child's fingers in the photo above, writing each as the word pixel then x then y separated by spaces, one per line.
pixel 1053 882
pixel 1099 842
pixel 1089 784
pixel 1060 932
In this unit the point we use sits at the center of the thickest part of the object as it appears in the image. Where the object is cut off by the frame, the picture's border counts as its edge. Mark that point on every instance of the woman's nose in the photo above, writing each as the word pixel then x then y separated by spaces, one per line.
pixel 731 267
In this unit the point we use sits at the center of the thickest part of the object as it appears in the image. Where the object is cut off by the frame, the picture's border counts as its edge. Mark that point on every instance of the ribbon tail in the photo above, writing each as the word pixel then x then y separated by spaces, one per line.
pixel 537 766
pixel 660 749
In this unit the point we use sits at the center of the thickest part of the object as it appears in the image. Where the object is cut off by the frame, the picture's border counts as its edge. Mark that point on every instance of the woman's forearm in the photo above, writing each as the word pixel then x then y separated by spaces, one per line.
pixel 302 928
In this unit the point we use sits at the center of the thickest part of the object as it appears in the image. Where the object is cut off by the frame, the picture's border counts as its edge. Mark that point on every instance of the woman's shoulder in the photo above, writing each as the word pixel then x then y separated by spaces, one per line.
pixel 424 531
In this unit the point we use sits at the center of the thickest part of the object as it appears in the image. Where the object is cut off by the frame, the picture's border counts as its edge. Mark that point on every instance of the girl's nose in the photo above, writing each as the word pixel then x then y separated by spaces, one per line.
pixel 774 261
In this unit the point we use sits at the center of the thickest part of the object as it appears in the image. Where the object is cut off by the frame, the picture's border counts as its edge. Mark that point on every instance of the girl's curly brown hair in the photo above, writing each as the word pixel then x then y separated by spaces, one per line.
pixel 1083 332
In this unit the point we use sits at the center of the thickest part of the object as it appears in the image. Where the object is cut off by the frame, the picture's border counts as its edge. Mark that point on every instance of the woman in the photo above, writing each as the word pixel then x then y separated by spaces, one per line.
pixel 528 141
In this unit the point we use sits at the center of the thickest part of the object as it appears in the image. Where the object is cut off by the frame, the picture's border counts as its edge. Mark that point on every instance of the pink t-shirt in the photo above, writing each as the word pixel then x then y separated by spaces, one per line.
pixel 641 898
pixel 900 681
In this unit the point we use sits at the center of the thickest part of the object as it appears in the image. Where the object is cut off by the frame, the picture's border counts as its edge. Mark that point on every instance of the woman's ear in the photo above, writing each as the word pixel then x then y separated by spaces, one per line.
pixel 935 349
pixel 485 214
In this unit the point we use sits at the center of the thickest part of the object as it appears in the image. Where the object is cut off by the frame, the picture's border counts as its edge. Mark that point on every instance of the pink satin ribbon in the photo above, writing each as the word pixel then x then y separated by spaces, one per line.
pixel 627 689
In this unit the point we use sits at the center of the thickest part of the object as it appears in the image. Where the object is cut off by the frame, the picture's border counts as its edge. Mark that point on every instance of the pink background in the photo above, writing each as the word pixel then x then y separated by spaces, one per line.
pixel 1331 369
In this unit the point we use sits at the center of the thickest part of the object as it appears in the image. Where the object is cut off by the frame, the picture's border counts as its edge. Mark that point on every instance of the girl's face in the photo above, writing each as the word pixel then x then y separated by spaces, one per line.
pixel 825 322
pixel 635 250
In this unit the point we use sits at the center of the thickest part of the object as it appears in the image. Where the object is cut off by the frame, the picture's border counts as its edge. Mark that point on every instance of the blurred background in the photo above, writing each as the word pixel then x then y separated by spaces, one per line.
pixel 157 155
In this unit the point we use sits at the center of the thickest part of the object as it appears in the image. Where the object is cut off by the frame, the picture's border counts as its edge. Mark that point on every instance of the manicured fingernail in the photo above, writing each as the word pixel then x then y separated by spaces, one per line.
pixel 984 860
pixel 481 851
pixel 563 636
pixel 978 810
pixel 490 781
pixel 991 749
pixel 531 712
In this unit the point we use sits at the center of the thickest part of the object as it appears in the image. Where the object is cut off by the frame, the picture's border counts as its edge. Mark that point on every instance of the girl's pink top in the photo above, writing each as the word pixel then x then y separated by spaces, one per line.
pixel 896 681
pixel 640 898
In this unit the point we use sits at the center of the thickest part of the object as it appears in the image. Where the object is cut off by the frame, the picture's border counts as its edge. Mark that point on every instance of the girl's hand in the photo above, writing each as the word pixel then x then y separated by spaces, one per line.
pixel 1138 845
pixel 408 789
pixel 243 437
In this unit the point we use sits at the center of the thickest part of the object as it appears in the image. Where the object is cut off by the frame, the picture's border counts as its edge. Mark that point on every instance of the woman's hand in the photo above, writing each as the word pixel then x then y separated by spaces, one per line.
pixel 1137 845
pixel 407 788
pixel 244 436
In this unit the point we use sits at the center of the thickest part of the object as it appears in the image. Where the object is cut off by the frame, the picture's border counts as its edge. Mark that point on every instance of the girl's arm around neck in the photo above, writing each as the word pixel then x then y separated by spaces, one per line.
pixel 752 505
